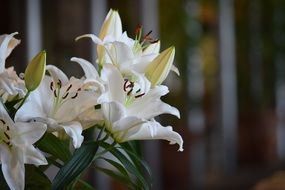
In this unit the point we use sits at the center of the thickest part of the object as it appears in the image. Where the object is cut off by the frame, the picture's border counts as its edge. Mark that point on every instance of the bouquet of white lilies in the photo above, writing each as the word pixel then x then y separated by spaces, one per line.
pixel 49 119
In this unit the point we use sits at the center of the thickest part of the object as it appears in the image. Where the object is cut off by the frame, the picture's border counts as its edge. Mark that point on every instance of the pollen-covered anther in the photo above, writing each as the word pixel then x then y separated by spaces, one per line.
pixel 140 95
pixel 51 86
pixel 59 83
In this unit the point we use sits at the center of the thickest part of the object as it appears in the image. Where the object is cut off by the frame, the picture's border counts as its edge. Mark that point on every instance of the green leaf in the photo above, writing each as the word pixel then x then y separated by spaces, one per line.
pixel 35 71
pixel 116 175
pixel 3 184
pixel 128 164
pixel 36 179
pixel 52 145
pixel 80 160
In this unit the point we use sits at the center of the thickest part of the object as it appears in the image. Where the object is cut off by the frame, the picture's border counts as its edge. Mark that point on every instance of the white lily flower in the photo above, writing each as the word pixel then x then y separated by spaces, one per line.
pixel 58 102
pixel 16 148
pixel 115 47
pixel 130 105
pixel 10 83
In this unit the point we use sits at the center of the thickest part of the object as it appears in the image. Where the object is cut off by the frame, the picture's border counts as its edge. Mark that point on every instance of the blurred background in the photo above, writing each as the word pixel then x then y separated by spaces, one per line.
pixel 231 92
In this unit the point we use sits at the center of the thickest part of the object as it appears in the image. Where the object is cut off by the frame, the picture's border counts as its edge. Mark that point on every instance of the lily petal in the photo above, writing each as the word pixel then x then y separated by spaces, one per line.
pixel 74 130
pixel 88 68
pixel 109 74
pixel 113 111
pixel 13 167
pixel 7 44
pixel 150 105
pixel 57 74
pixel 28 133
pixel 34 156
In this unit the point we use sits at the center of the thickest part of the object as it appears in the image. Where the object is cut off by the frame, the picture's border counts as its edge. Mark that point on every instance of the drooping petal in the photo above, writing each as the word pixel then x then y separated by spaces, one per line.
pixel 74 130
pixel 150 105
pixel 151 130
pixel 57 74
pixel 7 44
pixel 13 167
pixel 28 133
pixel 93 37
pixel 88 68
pixel 34 156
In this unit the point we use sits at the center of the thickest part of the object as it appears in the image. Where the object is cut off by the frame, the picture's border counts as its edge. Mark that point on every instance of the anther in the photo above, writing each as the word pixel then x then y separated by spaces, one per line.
pixel 63 97
pixel 140 95
pixel 69 87
pixel 74 96
pixel 138 29
pixel 59 83
pixel 7 136
pixel 8 128
pixel 138 90
pixel 51 86
pixel 129 92
pixel 154 41
pixel 54 93
pixel 3 121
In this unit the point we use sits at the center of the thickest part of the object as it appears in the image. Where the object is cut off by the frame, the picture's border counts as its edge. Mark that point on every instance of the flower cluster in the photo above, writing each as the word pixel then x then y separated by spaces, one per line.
pixel 121 96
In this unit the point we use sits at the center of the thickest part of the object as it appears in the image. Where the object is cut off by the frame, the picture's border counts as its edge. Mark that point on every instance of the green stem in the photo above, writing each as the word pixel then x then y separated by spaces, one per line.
pixel 24 99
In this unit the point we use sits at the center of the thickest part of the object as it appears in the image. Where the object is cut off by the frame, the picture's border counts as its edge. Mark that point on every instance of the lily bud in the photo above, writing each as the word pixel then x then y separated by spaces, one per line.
pixel 158 69
pixel 35 71
pixel 112 26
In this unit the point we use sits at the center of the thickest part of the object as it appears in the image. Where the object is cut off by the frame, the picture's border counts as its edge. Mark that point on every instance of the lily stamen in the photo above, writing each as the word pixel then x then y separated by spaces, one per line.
pixel 68 88
pixel 140 95
pixel 63 97
pixel 7 136
pixel 3 121
pixel 51 86
pixel 74 95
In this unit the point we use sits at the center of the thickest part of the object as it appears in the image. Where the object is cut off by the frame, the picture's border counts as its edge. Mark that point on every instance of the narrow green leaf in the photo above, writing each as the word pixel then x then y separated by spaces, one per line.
pixel 116 175
pixel 128 164
pixel 52 145
pixel 80 160
pixel 36 179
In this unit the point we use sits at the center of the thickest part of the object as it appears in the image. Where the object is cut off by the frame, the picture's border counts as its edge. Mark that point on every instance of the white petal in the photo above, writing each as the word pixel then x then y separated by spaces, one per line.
pixel 13 167
pixel 34 156
pixel 112 25
pixel 153 130
pixel 152 48
pixel 113 111
pixel 7 44
pixel 39 103
pixel 57 74
pixel 150 105
pixel 74 130
pixel 28 133
pixel 119 53
pixel 175 69
pixel 5 116
pixel 93 37
pixel 89 69
pixel 114 79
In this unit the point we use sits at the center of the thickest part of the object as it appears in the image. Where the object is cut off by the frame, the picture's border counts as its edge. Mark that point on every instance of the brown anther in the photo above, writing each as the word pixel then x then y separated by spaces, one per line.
pixel 51 86
pixel 59 83
pixel 79 89
pixel 125 85
pixel 54 93
pixel 129 92
pixel 138 29
pixel 74 96
pixel 154 41
pixel 140 95
pixel 7 136
pixel 7 143
pixel 3 121
pixel 138 90
pixel 8 128
pixel 63 97
pixel 69 87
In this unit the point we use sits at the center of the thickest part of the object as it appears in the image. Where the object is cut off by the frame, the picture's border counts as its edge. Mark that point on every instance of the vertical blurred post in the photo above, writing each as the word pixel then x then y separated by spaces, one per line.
pixel 149 17
pixel 34 28
pixel 228 84
pixel 279 41
pixel 98 11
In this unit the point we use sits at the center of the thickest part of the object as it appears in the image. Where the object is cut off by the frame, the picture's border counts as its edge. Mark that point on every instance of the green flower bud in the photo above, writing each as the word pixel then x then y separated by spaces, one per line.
pixel 35 71
pixel 158 69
